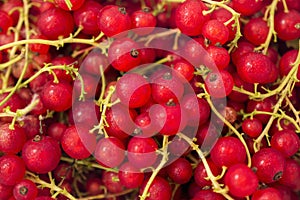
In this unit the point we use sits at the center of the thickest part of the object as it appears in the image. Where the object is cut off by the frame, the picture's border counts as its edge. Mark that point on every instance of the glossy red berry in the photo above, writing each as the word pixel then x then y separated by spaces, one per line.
pixel 228 151
pixel 93 185
pixel 41 154
pixel 291 175
pixel 286 141
pixel 207 195
pixel 86 16
pixel 241 180
pixel 215 31
pixel 5 21
pixel 143 19
pixel 55 22
pixel 123 54
pixel 243 47
pixel 145 126
pixel 265 105
pixel 189 17
pixel 77 142
pixel 267 194
pixel 57 96
pixel 286 63
pixel 110 152
pixel 113 20
pixel 268 163
pixel 133 90
pixel 256 31
pixel 159 189
pixel 200 173
pixel 219 84
pixel 111 182
pixel 12 170
pixel 252 127
pixel 26 189
pixel 75 4
pixel 5 191
pixel 255 68
pixel 130 176
pixel 223 15
pixel 287 25
pixel 184 69
pixel 56 130
pixel 219 56
pixel 180 171
pixel 39 48
pixel 247 7
pixel 142 152
pixel 11 140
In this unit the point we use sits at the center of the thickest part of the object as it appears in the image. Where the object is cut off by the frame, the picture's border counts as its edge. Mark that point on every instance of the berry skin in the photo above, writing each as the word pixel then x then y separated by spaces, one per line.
pixel 248 7
pixel 256 31
pixel 143 19
pixel 286 63
pixel 55 22
pixel 215 31
pixel 286 141
pixel 200 174
pixel 11 141
pixel 189 17
pixel 77 142
pixel 252 127
pixel 111 182
pixel 5 21
pixel 159 189
pixel 5 191
pixel 267 194
pixel 268 164
pixel 75 4
pixel 25 190
pixel 219 84
pixel 180 171
pixel 255 68
pixel 130 176
pixel 207 195
pixel 291 175
pixel 110 152
pixel 41 154
pixel 57 96
pixel 241 180
pixel 12 170
pixel 219 56
pixel 113 20
pixel 133 90
pixel 228 151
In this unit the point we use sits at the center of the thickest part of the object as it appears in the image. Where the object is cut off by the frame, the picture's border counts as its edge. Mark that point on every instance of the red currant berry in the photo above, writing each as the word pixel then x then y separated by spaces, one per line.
pixel 143 19
pixel 207 195
pixel 142 152
pixel 189 17
pixel 26 189
pixel 247 8
pixel 6 191
pixel 200 173
pixel 110 152
pixel 86 16
pixel 286 63
pixel 57 96
pixel 180 171
pixel 75 4
pixel 5 21
pixel 223 15
pixel 287 25
pixel 267 194
pixel 145 126
pixel 12 170
pixel 130 176
pixel 77 142
pixel 265 105
pixel 41 154
pixel 219 84
pixel 241 180
pixel 39 48
pixel 243 47
pixel 56 130
pixel 63 172
pixel 286 141
pixel 11 140
pixel 291 175
pixel 113 20
pixel 160 189
pixel 268 164
pixel 219 56
pixel 55 22
pixel 93 185
pixel 228 151
pixel 9 6
pixel 252 127
pixel 184 69
pixel 215 31
pixel 256 31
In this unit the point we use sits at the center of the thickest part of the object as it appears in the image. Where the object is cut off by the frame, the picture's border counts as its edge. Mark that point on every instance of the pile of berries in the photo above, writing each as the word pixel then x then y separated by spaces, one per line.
pixel 149 99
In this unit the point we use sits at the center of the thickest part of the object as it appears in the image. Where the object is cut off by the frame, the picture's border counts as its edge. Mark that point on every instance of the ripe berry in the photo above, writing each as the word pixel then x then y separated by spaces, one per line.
pixel 111 182
pixel 77 142
pixel 159 189
pixel 267 194
pixel 207 195
pixel 286 63
pixel 41 154
pixel 184 69
pixel 247 8
pixel 130 176
pixel 57 96
pixel 142 152
pixel 243 48
pixel 268 164
pixel 145 126
pixel 110 152
pixel 215 31
pixel 291 175
pixel 123 54
pixel 9 6
pixel 12 170
pixel 5 21
pixel 5 191
pixel 265 105
pixel 64 171
pixel 189 17
pixel 75 4
pixel 133 90
pixel 26 189
pixel 55 22
pixel 241 180
pixel 223 15
pixel 55 130
pixel 287 25
pixel 219 56
pixel 113 20
pixel 286 141
pixel 39 48
pixel 143 19
pixel 86 16
pixel 200 174
pixel 255 68
pixel 219 84
pixel 93 185
pixel 180 171
pixel 11 140
pixel 252 127
pixel 256 31
pixel 228 151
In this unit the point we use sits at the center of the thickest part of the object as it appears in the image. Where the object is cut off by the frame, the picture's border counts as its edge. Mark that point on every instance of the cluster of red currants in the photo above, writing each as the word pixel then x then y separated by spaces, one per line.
pixel 149 99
